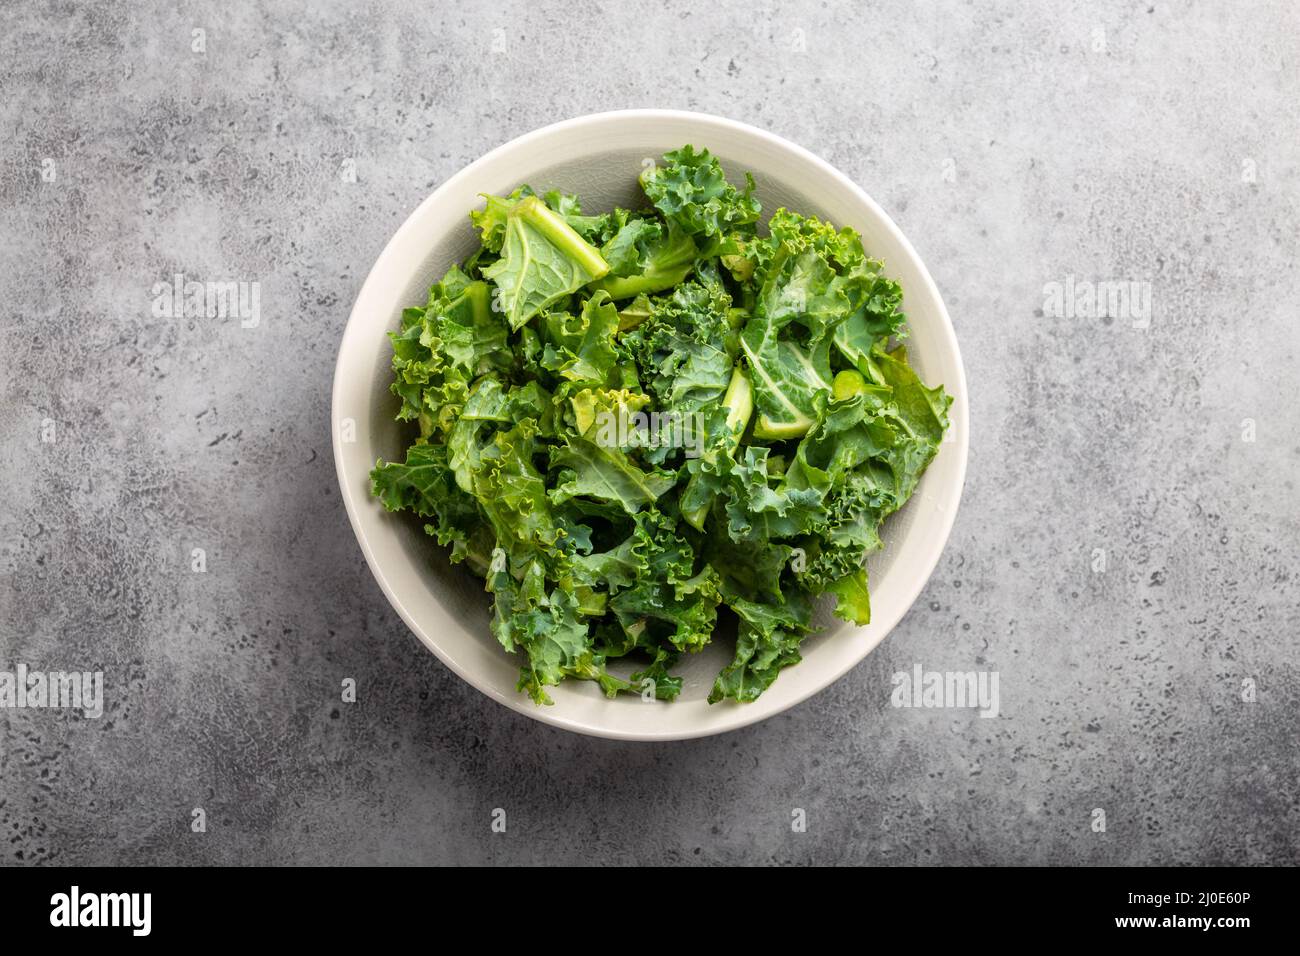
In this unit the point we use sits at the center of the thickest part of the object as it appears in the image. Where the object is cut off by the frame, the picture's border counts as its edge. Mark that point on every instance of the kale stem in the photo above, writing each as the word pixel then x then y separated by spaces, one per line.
pixel 563 236
pixel 648 282
pixel 480 302
pixel 739 402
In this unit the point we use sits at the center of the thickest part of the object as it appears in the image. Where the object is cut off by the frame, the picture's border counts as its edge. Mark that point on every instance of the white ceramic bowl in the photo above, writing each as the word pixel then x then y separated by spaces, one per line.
pixel 598 157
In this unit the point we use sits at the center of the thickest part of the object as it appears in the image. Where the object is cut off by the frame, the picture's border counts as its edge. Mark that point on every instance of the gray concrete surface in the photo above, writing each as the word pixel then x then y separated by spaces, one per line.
pixel 1017 145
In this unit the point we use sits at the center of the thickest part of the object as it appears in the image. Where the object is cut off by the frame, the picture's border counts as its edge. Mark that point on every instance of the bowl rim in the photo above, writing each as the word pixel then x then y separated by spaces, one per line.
pixel 741 716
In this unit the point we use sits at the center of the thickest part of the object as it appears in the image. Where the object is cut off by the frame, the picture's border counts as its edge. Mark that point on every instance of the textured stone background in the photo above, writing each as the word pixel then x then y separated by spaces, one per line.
pixel 1109 141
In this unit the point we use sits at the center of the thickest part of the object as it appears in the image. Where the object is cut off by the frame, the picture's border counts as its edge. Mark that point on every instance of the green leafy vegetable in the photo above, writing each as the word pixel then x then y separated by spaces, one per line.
pixel 632 423
pixel 691 191
pixel 542 258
